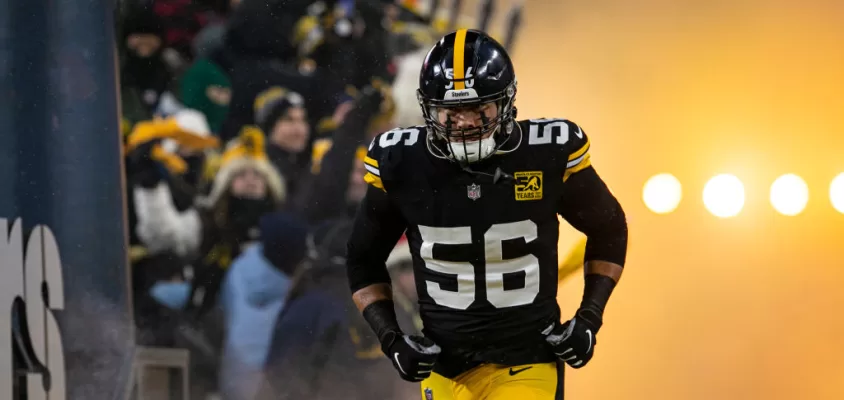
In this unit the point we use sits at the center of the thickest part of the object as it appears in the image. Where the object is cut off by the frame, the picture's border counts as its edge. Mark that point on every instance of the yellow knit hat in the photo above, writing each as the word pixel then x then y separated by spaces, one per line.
pixel 245 152
pixel 187 129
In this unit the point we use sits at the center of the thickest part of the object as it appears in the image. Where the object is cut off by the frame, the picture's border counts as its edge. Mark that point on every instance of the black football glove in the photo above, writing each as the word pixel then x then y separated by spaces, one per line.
pixel 412 356
pixel 574 341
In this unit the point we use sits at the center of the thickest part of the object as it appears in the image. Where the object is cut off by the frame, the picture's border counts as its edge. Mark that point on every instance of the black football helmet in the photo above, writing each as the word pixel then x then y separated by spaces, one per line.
pixel 467 69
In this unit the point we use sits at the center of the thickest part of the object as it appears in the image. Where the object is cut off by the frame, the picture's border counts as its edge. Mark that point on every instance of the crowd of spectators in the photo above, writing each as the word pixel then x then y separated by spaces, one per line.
pixel 244 124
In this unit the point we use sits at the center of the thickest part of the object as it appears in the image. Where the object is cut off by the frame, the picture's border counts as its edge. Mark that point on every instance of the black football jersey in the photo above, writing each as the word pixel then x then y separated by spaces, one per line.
pixel 483 241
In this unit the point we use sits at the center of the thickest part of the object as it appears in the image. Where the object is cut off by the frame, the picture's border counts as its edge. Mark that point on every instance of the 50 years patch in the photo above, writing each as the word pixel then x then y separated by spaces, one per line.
pixel 528 185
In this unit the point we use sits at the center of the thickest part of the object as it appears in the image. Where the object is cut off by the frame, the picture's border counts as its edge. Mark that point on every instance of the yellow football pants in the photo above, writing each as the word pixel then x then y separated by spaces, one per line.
pixel 496 382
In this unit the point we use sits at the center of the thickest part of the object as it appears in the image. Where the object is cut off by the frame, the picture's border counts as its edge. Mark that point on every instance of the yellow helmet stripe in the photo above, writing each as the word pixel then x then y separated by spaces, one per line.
pixel 457 62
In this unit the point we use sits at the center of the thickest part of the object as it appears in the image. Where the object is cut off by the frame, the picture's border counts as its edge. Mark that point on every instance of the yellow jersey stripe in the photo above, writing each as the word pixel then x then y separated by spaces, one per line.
pixel 373 180
pixel 580 152
pixel 371 161
pixel 585 163
pixel 458 60
pixel 372 169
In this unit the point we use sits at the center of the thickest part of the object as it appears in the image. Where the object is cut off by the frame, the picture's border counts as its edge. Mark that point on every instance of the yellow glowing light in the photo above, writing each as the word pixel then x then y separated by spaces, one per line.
pixel 662 193
pixel 723 196
pixel 789 194
pixel 836 192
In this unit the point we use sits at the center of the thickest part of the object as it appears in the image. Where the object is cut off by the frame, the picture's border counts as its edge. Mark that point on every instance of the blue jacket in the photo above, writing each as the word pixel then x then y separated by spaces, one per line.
pixel 254 293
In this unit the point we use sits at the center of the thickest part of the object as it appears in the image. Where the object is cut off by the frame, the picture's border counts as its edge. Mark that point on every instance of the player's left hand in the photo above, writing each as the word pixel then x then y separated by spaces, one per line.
pixel 574 341
pixel 412 356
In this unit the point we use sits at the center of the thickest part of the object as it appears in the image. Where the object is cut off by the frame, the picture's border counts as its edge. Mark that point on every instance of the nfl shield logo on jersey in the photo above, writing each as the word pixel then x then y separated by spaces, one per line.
pixel 429 394
pixel 473 191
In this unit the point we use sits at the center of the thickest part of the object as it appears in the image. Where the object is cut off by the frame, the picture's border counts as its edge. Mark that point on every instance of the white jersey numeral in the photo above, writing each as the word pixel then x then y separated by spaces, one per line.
pixel 496 266
pixel 393 137
pixel 542 131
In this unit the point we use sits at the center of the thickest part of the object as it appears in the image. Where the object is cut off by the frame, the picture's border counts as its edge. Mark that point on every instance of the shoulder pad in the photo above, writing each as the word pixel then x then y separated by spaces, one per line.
pixel 567 136
pixel 386 148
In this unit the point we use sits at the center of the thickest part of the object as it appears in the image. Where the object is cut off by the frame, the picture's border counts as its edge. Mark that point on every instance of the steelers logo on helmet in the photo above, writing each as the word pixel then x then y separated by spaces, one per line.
pixel 467 90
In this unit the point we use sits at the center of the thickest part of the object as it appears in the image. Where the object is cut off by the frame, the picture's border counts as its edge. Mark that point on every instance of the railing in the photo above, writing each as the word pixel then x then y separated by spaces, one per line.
pixel 160 374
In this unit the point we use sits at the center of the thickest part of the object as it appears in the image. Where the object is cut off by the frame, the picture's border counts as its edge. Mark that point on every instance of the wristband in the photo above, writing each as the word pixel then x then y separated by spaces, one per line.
pixel 596 292
pixel 381 316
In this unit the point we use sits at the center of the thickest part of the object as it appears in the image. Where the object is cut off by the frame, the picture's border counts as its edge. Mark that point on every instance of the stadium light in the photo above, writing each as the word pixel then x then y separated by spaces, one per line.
pixel 789 194
pixel 662 193
pixel 723 196
pixel 836 192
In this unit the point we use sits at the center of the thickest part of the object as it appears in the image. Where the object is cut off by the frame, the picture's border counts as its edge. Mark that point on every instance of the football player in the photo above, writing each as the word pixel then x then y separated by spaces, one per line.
pixel 478 194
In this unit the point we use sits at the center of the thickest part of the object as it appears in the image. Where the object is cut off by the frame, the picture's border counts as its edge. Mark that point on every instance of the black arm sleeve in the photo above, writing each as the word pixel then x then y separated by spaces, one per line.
pixel 589 207
pixel 377 228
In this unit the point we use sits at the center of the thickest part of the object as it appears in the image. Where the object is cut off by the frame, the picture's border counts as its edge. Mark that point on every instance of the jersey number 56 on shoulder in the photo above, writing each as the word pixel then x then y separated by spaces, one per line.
pixel 543 131
pixel 496 265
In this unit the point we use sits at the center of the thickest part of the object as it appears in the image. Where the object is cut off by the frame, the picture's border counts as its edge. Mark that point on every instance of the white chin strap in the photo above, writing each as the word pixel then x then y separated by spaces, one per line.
pixel 472 151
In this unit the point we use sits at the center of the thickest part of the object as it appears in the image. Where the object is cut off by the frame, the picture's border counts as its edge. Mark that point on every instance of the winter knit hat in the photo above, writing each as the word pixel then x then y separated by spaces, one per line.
pixel 284 237
pixel 197 83
pixel 140 19
pixel 194 122
pixel 242 153
pixel 272 103
pixel 186 129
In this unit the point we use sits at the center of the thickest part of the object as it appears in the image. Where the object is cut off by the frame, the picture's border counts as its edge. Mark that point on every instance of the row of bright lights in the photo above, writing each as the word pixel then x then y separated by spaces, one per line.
pixel 723 195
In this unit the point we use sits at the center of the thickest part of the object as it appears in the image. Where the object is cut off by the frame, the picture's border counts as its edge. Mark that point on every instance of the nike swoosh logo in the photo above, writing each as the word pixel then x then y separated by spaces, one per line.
pixel 514 372
pixel 398 364
pixel 589 333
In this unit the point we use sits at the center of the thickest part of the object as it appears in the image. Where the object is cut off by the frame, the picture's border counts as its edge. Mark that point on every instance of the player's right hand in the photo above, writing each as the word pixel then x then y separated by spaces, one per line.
pixel 412 356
